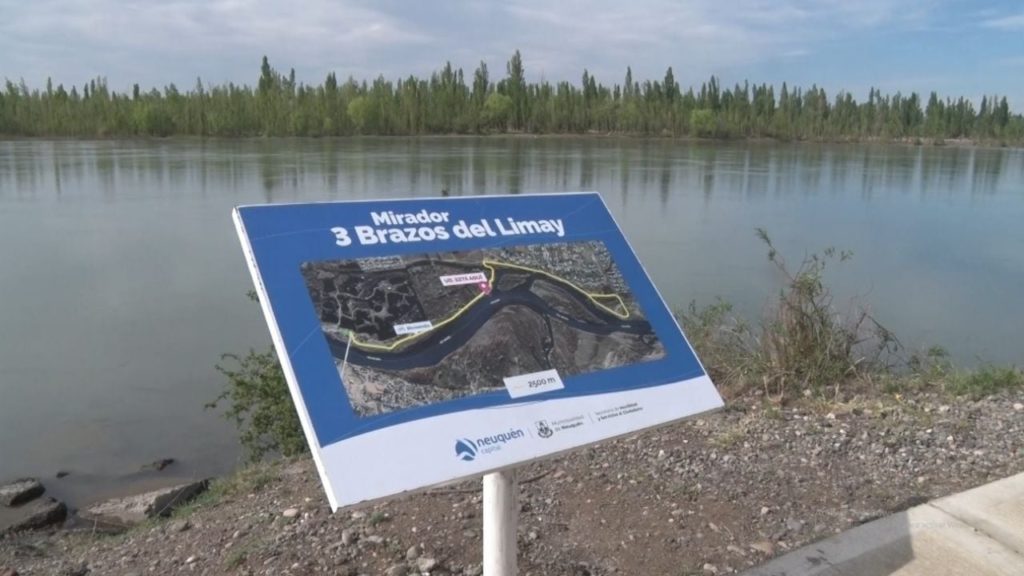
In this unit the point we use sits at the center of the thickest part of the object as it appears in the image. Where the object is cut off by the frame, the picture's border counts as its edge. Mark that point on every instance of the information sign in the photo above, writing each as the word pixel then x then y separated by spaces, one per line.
pixel 431 340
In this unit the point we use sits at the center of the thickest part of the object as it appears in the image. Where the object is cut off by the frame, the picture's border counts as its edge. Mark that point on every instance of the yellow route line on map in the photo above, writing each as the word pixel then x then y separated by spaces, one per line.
pixel 592 295
pixel 490 264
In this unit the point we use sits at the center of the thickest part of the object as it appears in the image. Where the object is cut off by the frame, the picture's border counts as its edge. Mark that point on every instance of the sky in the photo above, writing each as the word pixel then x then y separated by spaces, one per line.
pixel 956 47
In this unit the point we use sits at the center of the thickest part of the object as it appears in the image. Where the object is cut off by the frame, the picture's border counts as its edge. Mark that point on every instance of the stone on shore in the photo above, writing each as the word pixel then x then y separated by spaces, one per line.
pixel 425 564
pixel 37 514
pixel 132 510
pixel 158 465
pixel 20 491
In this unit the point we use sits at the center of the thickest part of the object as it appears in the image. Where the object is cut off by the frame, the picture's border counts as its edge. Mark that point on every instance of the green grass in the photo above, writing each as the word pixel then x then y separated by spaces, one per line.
pixel 245 480
pixel 239 555
pixel 987 380
pixel 236 558
pixel 772 412
pixel 729 437
pixel 204 500
pixel 934 369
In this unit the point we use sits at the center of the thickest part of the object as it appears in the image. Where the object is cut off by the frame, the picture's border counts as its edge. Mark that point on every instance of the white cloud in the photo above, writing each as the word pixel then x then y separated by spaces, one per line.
pixel 1011 22
pixel 197 33
pixel 696 37
pixel 156 42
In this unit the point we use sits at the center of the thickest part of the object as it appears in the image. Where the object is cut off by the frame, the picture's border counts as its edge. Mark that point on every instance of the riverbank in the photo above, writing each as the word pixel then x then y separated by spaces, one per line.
pixel 709 496
pixel 912 141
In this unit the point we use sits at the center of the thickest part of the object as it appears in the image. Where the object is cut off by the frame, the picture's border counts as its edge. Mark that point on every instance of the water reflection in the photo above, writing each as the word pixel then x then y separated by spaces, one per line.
pixel 293 168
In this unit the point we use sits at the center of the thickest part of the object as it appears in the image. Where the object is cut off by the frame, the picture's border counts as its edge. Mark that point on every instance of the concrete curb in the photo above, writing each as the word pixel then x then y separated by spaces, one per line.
pixel 978 532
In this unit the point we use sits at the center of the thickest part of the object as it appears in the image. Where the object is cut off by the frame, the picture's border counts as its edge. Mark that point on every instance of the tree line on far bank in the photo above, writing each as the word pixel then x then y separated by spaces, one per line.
pixel 449 103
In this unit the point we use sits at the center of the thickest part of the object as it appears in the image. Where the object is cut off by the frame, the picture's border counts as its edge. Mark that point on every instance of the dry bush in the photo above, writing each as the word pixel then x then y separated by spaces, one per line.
pixel 803 342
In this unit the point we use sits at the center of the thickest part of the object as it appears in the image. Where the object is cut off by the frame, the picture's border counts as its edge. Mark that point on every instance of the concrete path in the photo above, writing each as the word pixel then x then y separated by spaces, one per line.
pixel 975 533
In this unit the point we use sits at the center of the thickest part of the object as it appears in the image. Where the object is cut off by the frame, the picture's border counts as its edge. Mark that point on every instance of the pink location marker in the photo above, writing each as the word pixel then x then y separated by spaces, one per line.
pixel 485 287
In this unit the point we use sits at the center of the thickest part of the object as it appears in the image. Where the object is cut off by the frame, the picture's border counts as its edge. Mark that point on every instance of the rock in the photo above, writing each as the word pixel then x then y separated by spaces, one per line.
pixel 290 513
pixel 794 525
pixel 349 536
pixel 397 570
pixel 710 569
pixel 179 526
pixel 412 553
pixel 39 513
pixel 191 559
pixel 8 571
pixel 78 570
pixel 763 546
pixel 20 491
pixel 425 564
pixel 132 510
pixel 62 474
pixel 473 570
pixel 158 465
pixel 1018 406
pixel 374 539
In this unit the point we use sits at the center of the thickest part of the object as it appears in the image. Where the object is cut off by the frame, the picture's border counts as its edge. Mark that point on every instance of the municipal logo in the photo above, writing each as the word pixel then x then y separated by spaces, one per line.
pixel 543 430
pixel 465 449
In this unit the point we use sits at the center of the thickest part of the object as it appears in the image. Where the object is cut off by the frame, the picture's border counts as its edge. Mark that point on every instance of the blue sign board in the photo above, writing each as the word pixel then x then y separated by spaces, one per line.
pixel 431 340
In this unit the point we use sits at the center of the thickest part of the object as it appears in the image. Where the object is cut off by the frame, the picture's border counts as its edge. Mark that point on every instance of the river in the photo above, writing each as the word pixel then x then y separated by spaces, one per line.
pixel 122 282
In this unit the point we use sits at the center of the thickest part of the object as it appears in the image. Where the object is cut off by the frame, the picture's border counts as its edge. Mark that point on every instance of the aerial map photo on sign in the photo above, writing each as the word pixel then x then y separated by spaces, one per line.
pixel 416 329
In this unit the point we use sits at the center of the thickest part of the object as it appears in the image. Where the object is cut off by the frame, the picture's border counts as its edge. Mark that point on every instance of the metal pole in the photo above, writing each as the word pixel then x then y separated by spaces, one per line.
pixel 501 515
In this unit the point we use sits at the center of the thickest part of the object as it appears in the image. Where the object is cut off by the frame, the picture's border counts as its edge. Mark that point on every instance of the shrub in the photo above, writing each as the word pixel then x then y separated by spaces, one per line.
pixel 259 404
pixel 803 341
pixel 722 341
pixel 806 342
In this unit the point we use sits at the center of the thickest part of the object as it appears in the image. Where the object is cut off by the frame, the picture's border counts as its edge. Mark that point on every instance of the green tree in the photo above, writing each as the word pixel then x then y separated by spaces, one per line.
pixel 499 110
pixel 279 105
pixel 515 88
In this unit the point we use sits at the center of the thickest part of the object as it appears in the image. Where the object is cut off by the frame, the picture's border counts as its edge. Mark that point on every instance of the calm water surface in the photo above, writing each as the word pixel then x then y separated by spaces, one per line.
pixel 122 282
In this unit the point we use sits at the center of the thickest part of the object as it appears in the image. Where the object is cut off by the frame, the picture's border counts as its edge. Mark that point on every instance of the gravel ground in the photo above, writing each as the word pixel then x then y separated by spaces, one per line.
pixel 710 496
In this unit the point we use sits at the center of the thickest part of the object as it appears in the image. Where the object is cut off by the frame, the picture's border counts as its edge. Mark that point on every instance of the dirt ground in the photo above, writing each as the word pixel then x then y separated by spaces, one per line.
pixel 709 496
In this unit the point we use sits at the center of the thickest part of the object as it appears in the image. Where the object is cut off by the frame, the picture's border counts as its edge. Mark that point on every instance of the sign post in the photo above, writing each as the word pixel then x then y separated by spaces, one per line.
pixel 501 519
pixel 427 341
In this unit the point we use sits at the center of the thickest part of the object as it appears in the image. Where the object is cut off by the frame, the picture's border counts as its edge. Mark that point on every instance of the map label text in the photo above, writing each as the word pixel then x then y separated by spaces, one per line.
pixel 458 279
pixel 535 383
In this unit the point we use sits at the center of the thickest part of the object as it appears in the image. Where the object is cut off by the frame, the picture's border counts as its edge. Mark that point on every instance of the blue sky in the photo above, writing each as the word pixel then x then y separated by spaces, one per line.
pixel 956 47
